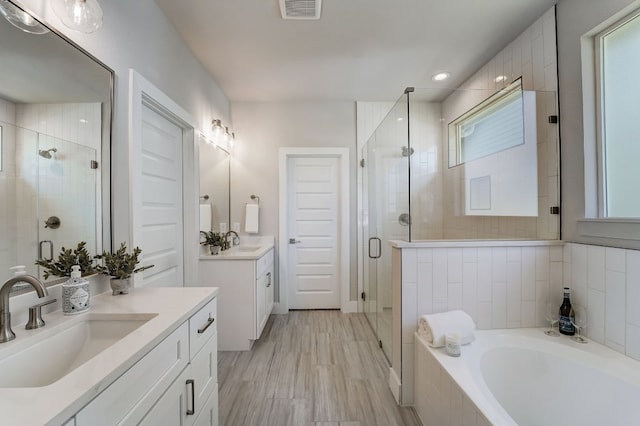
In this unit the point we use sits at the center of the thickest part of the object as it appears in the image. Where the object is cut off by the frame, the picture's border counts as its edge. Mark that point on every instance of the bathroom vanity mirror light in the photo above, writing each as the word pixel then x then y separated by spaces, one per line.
pixel 56 105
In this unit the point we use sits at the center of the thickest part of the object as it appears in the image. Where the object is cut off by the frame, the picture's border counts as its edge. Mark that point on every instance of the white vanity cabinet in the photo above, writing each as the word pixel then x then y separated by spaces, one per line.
pixel 246 296
pixel 174 384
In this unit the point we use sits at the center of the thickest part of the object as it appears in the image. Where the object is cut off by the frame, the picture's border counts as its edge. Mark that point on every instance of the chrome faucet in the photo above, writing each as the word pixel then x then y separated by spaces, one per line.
pixel 6 334
pixel 236 239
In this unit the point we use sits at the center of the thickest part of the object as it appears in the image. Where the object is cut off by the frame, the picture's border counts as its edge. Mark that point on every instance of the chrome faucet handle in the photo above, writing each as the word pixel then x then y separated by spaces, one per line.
pixel 35 315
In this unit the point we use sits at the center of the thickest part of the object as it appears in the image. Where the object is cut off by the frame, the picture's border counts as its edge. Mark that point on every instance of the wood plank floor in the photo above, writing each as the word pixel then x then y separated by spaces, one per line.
pixel 310 368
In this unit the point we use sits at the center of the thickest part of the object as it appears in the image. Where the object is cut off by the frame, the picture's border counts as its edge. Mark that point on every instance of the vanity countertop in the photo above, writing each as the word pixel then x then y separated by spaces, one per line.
pixel 241 252
pixel 56 403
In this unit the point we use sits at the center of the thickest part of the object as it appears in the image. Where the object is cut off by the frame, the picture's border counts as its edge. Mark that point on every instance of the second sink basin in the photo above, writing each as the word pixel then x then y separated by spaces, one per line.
pixel 247 249
pixel 61 352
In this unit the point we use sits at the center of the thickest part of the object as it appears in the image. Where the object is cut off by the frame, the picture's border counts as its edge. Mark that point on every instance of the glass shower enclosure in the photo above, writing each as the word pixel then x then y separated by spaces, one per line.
pixel 455 165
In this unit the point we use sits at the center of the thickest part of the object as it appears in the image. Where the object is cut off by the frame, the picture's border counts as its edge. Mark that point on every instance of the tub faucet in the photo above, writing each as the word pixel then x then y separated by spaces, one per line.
pixel 236 239
pixel 6 334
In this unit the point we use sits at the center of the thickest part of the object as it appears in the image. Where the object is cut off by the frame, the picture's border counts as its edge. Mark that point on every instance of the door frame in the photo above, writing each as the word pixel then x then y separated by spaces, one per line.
pixel 344 231
pixel 142 92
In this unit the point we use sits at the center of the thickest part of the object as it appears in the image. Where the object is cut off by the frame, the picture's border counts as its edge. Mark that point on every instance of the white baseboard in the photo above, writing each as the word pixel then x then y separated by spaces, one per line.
pixel 280 309
pixel 395 385
pixel 350 307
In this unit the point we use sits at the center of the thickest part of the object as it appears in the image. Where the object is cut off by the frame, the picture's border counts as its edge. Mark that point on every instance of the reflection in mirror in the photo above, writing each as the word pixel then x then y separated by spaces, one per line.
pixel 214 183
pixel 55 114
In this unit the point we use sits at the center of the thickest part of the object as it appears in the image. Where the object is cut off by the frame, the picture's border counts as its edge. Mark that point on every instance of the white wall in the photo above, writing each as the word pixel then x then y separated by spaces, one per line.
pixel 264 127
pixel 137 35
pixel 576 18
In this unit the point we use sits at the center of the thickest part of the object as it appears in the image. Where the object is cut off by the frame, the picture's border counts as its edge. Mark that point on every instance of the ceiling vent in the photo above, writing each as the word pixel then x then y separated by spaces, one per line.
pixel 300 9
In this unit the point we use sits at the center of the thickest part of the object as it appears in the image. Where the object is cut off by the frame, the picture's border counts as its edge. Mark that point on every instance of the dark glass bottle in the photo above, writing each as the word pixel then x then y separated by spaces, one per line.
pixel 566 312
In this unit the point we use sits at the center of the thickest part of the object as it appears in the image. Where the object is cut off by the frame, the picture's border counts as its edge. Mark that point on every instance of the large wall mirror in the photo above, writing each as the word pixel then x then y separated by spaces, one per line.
pixel 214 187
pixel 55 115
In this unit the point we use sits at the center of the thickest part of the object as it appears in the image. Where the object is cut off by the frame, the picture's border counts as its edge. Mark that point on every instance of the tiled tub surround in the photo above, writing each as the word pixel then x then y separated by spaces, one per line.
pixel 501 284
pixel 607 281
pixel 505 284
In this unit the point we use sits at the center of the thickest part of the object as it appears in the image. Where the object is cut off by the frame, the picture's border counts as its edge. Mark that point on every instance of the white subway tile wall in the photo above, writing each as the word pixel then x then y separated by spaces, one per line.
pixel 499 286
pixel 532 56
pixel 74 130
pixel 607 281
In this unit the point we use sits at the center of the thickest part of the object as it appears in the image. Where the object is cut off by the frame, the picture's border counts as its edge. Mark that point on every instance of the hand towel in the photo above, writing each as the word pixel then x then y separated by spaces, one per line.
pixel 205 217
pixel 435 326
pixel 252 219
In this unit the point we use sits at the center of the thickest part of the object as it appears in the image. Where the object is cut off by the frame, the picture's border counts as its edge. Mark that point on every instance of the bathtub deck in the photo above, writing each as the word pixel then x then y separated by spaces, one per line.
pixel 310 368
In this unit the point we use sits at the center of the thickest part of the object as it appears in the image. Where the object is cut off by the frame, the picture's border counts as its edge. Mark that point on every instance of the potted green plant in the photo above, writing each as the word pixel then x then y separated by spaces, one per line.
pixel 214 240
pixel 120 265
pixel 66 260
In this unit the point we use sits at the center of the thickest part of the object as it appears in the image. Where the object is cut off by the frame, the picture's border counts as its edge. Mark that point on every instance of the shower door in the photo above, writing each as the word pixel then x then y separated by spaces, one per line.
pixel 385 200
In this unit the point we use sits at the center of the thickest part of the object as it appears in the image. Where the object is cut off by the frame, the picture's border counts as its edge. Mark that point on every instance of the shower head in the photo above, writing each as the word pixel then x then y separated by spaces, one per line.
pixel 46 153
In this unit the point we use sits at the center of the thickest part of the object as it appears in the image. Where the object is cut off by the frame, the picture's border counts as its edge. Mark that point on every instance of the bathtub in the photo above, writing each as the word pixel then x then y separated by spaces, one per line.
pixel 523 377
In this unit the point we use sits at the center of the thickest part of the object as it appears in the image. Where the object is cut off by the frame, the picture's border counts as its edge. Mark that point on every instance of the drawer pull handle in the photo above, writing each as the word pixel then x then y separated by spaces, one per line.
pixel 268 279
pixel 192 383
pixel 207 325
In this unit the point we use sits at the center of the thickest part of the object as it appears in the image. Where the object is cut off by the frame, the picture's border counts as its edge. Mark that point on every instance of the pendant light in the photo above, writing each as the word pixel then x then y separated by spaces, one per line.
pixel 79 15
pixel 21 19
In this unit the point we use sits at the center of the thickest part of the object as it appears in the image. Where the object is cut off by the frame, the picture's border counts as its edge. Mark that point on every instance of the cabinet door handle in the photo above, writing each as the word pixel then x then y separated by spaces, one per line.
pixel 192 383
pixel 268 279
pixel 207 325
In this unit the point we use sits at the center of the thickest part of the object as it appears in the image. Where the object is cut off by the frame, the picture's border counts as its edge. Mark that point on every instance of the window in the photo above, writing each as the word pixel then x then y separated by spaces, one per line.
pixel 618 80
pixel 490 127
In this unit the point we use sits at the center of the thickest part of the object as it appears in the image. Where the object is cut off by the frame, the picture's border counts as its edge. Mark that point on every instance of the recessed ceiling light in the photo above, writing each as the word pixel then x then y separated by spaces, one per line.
pixel 500 78
pixel 440 76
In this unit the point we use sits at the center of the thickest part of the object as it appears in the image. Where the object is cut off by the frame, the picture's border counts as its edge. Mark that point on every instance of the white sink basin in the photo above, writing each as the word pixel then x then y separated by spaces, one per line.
pixel 65 349
pixel 247 249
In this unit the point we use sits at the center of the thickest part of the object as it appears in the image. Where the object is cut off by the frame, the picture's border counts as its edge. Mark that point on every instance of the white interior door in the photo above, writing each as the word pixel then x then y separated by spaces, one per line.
pixel 314 251
pixel 160 174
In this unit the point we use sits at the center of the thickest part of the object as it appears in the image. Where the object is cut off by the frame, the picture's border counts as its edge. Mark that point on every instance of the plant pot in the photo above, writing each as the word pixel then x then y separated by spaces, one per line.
pixel 214 249
pixel 120 286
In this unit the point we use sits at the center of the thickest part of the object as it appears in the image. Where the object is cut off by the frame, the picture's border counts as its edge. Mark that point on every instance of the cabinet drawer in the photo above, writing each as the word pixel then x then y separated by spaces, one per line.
pixel 204 372
pixel 263 263
pixel 209 413
pixel 171 408
pixel 202 325
pixel 127 399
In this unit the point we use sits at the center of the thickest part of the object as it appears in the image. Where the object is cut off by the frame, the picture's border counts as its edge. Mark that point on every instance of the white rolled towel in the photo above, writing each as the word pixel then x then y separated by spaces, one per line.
pixel 434 327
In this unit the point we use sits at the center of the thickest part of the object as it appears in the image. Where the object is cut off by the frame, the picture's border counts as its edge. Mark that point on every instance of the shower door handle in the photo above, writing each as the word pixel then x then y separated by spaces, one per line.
pixel 379 246
pixel 50 249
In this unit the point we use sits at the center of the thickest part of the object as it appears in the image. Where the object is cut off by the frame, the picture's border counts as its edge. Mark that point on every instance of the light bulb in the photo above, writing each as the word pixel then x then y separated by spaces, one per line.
pixel 21 19
pixel 79 15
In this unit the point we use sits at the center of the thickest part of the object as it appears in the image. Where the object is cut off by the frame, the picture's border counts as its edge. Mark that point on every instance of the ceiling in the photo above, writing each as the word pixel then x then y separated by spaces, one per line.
pixel 364 50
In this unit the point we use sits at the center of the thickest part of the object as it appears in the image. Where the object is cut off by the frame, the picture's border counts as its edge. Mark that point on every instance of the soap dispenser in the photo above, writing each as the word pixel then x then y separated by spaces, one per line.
pixel 75 293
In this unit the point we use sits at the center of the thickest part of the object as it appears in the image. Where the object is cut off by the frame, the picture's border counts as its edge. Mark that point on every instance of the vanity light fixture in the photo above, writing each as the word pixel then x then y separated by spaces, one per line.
pixel 440 76
pixel 21 19
pixel 500 78
pixel 217 131
pixel 79 15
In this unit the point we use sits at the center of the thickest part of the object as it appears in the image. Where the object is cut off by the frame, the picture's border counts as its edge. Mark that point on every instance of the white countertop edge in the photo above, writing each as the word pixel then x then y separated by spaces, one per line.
pixel 234 253
pixel 473 243
pixel 56 403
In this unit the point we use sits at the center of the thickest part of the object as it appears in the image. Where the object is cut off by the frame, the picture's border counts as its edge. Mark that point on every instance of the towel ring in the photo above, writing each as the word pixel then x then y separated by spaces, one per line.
pixel 254 198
